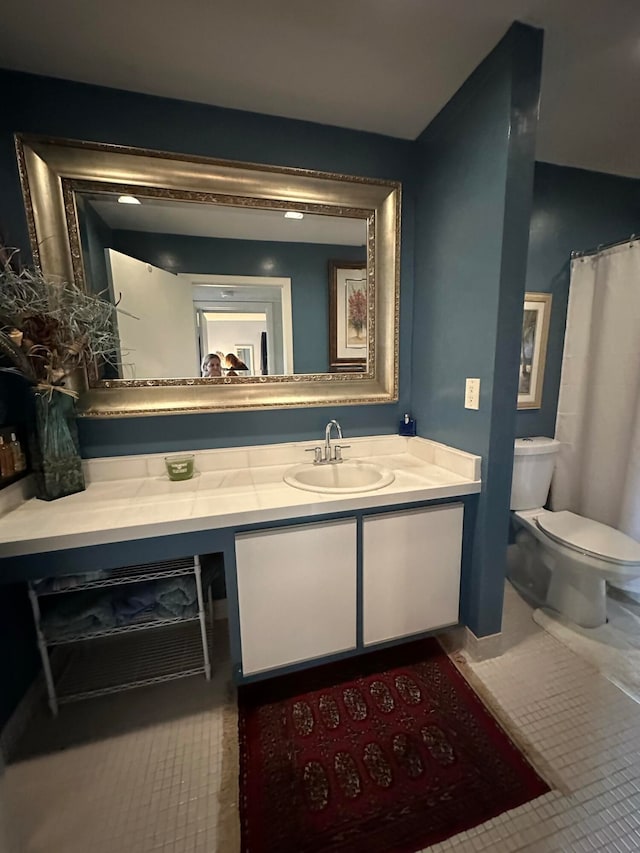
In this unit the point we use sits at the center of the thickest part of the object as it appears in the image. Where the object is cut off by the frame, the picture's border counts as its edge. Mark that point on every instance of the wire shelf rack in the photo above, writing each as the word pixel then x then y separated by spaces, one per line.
pixel 117 664
pixel 116 577
pixel 111 660
pixel 63 640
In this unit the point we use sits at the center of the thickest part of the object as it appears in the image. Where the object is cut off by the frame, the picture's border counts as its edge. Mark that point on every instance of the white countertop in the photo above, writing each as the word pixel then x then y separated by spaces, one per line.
pixel 131 497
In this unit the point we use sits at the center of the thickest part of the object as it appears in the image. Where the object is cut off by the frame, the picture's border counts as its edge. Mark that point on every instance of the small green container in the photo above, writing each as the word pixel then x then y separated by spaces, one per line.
pixel 179 467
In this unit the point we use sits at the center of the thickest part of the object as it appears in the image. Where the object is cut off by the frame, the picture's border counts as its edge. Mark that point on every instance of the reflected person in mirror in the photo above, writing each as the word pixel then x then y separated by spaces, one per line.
pixel 211 366
pixel 233 364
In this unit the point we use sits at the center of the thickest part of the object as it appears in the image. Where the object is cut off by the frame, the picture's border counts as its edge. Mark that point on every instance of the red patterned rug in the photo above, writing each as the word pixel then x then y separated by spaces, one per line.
pixel 386 753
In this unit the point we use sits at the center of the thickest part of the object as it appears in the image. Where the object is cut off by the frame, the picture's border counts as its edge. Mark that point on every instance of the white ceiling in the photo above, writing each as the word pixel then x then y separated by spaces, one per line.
pixel 163 216
pixel 386 66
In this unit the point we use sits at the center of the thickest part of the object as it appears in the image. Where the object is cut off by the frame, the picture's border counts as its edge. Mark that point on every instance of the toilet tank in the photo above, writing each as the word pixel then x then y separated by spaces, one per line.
pixel 533 464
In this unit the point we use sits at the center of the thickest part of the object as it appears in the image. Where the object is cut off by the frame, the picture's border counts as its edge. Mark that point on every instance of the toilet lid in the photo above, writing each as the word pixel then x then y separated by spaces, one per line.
pixel 590 537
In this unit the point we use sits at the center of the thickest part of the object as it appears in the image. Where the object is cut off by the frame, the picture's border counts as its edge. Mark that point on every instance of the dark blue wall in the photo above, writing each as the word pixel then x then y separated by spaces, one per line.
pixel 573 210
pixel 95 237
pixel 59 108
pixel 307 264
pixel 20 658
pixel 473 204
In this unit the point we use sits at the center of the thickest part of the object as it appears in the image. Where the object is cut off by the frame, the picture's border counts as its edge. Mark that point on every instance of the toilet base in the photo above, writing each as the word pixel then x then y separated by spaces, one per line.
pixel 583 600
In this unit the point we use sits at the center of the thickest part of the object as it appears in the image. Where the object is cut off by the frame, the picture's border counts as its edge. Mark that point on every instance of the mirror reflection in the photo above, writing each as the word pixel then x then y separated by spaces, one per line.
pixel 355 338
pixel 210 290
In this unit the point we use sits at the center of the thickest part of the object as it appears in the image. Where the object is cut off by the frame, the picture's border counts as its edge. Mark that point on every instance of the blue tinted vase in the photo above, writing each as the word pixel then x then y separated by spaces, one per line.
pixel 56 461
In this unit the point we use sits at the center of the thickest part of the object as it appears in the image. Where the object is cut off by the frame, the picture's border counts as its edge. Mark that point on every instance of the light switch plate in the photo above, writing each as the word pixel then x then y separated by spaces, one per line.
pixel 472 394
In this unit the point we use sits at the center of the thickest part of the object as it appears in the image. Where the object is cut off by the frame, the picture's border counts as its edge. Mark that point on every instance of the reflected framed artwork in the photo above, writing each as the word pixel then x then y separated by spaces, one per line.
pixel 533 349
pixel 348 315
pixel 245 354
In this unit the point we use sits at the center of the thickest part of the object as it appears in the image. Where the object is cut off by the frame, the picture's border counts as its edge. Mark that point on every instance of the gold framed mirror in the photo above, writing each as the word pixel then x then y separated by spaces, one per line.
pixel 61 179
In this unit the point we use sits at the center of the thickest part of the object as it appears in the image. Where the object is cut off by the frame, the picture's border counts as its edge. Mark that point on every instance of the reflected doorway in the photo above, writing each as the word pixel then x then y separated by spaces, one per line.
pixel 240 333
pixel 173 320
pixel 262 304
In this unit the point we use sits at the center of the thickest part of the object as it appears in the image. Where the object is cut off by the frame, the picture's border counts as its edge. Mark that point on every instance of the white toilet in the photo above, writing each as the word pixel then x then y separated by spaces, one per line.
pixel 580 554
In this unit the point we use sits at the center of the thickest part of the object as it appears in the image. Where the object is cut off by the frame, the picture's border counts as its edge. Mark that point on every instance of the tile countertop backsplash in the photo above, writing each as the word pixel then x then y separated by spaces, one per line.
pixel 132 497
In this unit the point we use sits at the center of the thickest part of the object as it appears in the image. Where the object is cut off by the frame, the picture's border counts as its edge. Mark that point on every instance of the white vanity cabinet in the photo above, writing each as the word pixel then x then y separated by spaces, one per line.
pixel 296 593
pixel 411 571
pixel 299 594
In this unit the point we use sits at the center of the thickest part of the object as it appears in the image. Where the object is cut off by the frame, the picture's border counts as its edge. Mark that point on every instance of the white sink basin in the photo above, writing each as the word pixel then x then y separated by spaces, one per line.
pixel 339 478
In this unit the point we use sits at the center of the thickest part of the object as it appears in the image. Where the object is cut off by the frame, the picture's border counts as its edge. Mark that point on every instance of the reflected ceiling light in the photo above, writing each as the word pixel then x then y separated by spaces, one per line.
pixel 293 214
pixel 128 199
pixel 227 294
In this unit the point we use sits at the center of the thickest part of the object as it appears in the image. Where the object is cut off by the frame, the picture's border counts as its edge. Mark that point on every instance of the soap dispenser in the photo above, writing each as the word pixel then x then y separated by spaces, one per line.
pixel 407 426
pixel 19 460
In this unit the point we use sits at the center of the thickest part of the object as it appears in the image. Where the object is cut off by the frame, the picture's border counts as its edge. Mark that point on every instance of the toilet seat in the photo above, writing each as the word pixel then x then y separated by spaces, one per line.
pixel 593 538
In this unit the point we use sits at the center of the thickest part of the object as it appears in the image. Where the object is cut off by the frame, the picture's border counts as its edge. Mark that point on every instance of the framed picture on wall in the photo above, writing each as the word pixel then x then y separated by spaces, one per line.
pixel 348 320
pixel 533 349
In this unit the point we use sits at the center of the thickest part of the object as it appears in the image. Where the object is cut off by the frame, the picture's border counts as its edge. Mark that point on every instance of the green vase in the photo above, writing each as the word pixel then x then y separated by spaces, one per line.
pixel 56 458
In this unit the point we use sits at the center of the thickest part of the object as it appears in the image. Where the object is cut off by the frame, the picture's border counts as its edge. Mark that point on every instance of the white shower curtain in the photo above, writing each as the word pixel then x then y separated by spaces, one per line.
pixel 598 421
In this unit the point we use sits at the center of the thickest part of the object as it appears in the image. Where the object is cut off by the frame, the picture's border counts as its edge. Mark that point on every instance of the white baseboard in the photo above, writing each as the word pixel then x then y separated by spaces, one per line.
pixel 482 648
pixel 462 639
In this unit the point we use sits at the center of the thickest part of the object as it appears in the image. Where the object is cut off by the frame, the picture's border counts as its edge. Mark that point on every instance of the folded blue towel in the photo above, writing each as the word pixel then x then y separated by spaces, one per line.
pixel 80 613
pixel 175 596
pixel 134 600
pixel 68 581
pixel 86 612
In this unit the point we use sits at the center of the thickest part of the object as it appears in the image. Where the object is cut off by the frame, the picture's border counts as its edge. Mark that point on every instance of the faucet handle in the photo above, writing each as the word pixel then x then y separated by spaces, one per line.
pixel 338 448
pixel 317 454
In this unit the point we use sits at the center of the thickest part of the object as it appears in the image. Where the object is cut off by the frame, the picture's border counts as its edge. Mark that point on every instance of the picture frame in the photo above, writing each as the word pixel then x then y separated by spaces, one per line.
pixel 245 354
pixel 533 349
pixel 348 316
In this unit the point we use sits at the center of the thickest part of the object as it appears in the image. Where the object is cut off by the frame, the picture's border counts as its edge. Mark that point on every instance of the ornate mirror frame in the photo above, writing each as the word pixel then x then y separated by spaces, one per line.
pixel 51 170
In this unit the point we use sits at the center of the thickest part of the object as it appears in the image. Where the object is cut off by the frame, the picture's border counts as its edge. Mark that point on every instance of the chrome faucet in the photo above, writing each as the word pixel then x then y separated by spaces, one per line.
pixel 328 456
pixel 323 455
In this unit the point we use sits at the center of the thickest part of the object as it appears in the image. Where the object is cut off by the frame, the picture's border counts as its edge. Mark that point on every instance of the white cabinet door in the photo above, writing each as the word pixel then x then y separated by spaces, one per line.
pixel 296 593
pixel 411 565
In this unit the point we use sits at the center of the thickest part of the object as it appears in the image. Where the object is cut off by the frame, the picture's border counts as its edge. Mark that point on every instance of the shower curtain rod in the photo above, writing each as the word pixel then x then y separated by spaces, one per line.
pixel 602 247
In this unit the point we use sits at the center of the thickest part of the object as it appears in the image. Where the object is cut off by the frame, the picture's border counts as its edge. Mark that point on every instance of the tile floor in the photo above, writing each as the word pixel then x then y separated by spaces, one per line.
pixel 155 770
